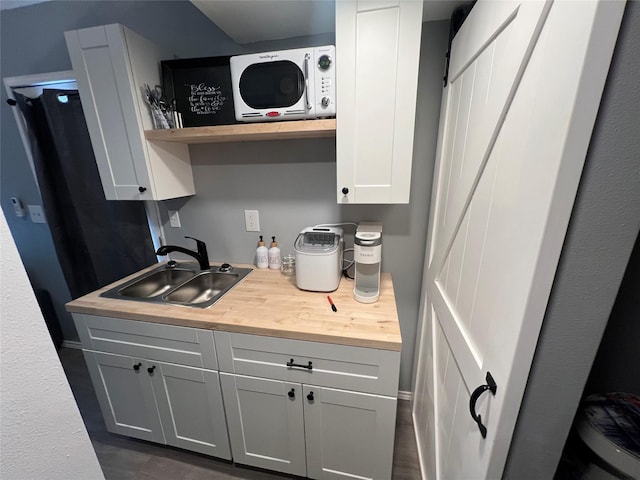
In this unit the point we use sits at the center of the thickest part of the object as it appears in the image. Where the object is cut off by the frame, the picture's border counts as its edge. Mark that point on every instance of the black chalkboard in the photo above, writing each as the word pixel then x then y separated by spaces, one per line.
pixel 201 89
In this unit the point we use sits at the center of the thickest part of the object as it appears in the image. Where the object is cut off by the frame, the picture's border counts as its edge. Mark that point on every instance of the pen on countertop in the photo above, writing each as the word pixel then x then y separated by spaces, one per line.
pixel 333 307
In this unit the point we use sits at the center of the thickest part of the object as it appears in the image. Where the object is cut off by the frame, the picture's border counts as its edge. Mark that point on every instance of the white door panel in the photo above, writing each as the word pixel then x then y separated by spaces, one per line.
pixel 190 404
pixel 516 120
pixel 348 434
pixel 125 395
pixel 266 423
pixel 378 50
pixel 482 90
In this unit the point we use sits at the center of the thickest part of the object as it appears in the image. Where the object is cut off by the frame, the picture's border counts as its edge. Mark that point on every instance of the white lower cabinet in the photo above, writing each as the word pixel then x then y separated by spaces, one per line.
pixel 296 421
pixel 160 401
pixel 125 395
pixel 348 434
pixel 311 409
pixel 190 406
pixel 172 404
pixel 308 430
pixel 266 423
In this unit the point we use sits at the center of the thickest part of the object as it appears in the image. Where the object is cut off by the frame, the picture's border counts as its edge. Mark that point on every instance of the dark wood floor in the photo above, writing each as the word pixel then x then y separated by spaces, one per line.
pixel 124 458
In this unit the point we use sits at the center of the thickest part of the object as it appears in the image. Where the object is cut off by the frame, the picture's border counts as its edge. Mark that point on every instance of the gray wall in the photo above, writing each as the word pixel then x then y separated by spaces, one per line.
pixel 293 185
pixel 32 41
pixel 603 227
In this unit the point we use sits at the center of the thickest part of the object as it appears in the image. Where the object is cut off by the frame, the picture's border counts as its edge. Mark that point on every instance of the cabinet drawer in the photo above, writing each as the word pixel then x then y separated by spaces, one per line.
pixel 154 341
pixel 339 366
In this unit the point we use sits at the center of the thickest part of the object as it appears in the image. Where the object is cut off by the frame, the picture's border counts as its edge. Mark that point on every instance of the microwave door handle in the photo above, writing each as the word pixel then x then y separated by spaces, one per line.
pixel 306 81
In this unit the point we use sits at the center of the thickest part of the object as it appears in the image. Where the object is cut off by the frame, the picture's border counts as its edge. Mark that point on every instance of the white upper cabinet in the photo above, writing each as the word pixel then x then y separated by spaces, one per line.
pixel 378 52
pixel 111 64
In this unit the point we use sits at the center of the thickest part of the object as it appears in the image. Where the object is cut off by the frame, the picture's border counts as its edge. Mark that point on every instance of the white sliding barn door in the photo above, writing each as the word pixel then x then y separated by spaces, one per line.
pixel 525 82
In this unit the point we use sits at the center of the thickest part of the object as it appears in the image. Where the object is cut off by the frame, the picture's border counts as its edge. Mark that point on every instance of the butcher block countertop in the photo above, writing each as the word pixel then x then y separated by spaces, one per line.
pixel 269 303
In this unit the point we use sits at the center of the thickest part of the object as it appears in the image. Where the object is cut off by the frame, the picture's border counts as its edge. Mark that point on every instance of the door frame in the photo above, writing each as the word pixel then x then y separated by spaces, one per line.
pixel 26 81
pixel 51 79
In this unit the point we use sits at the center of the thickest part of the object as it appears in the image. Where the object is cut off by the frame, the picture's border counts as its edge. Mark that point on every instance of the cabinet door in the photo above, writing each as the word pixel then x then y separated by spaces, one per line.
pixel 191 411
pixel 101 63
pixel 125 395
pixel 377 53
pixel 111 64
pixel 348 434
pixel 265 422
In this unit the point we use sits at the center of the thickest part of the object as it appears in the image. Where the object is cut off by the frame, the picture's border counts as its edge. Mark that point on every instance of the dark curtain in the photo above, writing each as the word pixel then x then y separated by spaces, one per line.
pixel 97 241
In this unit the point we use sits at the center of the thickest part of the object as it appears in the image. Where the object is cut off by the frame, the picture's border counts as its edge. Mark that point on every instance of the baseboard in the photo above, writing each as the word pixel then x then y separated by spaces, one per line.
pixel 404 395
pixel 71 344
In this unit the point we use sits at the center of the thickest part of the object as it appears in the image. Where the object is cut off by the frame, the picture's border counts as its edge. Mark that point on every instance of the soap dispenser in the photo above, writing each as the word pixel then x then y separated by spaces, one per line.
pixel 275 260
pixel 262 259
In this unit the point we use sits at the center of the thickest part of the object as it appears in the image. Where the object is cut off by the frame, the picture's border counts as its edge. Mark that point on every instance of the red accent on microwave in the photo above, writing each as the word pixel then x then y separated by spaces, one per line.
pixel 273 114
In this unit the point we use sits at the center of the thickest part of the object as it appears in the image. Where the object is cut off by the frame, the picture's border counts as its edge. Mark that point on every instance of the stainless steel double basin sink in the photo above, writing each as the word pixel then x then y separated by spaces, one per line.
pixel 180 285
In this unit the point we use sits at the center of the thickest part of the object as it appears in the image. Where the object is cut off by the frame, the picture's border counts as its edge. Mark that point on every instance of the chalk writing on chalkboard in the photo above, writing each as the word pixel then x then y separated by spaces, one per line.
pixel 205 99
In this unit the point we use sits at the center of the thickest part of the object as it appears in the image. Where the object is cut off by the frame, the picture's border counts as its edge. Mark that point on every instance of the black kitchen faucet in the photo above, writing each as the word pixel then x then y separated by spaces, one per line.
pixel 200 255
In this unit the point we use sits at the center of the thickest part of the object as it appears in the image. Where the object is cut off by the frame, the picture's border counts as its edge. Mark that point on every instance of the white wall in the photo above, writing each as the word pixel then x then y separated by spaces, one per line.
pixel 42 434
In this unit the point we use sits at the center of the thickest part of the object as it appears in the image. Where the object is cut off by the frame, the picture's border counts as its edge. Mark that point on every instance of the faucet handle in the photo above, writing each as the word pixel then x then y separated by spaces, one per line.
pixel 199 243
pixel 202 251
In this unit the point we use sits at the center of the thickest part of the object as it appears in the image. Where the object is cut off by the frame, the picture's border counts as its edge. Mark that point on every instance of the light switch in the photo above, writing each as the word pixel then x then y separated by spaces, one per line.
pixel 36 214
pixel 174 218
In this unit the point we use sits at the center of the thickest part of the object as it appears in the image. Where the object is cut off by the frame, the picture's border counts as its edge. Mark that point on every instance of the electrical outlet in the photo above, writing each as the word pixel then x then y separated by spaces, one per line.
pixel 174 219
pixel 251 220
pixel 36 214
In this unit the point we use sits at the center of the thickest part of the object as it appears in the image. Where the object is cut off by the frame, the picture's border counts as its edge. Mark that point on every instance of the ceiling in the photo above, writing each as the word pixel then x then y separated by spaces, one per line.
pixel 9 4
pixel 248 21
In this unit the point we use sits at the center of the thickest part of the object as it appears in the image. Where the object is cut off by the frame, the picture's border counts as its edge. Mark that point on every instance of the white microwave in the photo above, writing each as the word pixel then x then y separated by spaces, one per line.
pixel 284 85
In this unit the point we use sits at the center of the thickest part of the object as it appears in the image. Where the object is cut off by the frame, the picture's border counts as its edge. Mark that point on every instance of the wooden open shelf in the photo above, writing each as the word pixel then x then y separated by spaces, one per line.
pixel 246 132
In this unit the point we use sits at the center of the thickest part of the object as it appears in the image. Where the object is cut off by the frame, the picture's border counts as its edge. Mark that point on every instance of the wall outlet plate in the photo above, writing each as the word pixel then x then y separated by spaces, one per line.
pixel 251 220
pixel 36 213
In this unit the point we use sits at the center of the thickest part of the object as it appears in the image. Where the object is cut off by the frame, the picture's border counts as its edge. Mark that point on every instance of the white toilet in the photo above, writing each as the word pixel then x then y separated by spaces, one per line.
pixel 609 424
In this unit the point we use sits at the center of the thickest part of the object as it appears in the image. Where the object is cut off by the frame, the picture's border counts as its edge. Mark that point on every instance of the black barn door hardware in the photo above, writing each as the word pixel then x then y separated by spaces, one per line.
pixel 457 19
pixel 492 387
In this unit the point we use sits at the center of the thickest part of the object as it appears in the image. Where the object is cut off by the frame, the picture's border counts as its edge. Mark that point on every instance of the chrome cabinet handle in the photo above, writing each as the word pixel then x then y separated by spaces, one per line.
pixel 306 81
pixel 492 387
